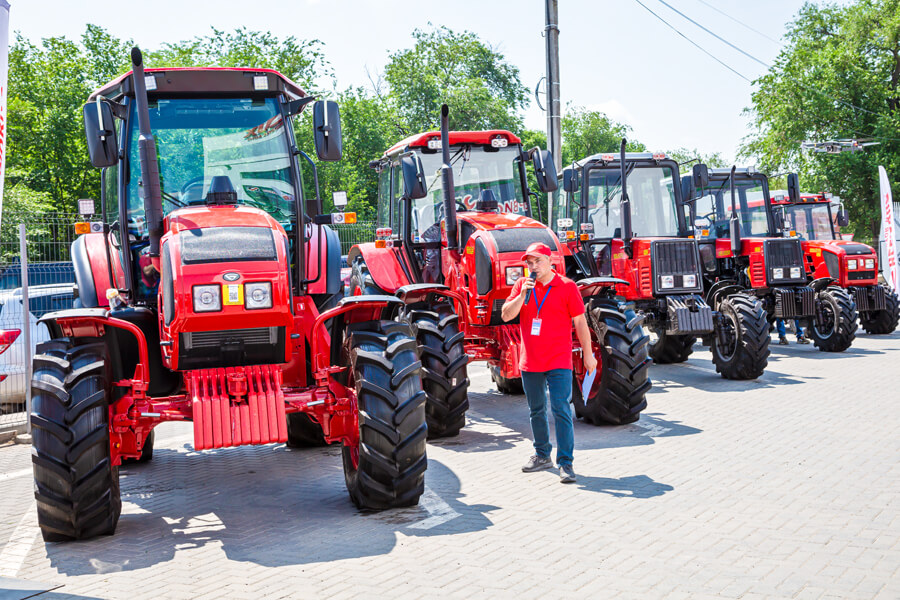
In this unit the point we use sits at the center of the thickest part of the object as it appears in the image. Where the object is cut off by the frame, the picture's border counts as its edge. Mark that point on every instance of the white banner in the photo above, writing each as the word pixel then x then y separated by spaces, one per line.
pixel 4 72
pixel 889 267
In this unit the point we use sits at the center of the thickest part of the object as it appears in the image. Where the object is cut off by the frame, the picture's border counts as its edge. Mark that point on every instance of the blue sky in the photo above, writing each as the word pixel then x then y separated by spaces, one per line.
pixel 615 56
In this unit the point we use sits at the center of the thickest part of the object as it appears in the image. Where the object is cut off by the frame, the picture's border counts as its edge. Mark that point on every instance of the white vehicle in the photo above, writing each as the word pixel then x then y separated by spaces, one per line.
pixel 42 299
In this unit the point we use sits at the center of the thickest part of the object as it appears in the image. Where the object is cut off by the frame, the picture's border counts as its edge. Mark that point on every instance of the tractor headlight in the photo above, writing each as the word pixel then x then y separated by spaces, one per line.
pixel 667 282
pixel 870 263
pixel 851 264
pixel 778 273
pixel 689 281
pixel 207 298
pixel 513 274
pixel 795 272
pixel 258 295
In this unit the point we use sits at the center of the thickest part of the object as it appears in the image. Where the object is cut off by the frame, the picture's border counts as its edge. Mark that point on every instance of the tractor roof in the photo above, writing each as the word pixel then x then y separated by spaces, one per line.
pixel 456 137
pixel 203 80
pixel 780 197
pixel 744 172
pixel 610 157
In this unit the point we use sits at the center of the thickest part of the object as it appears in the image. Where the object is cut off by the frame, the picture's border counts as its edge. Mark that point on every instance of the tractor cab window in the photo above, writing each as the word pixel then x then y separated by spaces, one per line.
pixel 810 221
pixel 652 194
pixel 383 216
pixel 198 139
pixel 713 208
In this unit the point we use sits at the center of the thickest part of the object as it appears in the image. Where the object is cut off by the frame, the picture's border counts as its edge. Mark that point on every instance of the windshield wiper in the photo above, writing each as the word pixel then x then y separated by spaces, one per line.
pixel 437 177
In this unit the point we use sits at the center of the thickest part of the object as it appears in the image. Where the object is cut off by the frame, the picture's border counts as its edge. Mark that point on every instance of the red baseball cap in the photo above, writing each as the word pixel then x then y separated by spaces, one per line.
pixel 536 249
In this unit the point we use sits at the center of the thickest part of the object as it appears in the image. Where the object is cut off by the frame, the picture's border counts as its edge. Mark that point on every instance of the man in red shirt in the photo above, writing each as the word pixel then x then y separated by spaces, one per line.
pixel 547 304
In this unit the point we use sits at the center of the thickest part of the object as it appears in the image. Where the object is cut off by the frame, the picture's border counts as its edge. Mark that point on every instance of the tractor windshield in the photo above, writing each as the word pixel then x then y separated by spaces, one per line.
pixel 713 208
pixel 652 194
pixel 475 169
pixel 810 221
pixel 197 139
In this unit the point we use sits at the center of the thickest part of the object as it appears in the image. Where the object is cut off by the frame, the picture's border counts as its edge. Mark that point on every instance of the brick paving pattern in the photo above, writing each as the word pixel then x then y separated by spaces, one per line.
pixel 785 487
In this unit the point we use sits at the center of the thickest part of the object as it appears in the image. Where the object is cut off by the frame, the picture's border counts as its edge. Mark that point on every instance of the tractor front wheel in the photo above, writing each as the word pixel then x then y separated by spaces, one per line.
pixel 303 432
pixel 444 371
pixel 361 281
pixel 740 348
pixel 506 385
pixel 668 349
pixel 617 396
pixel 833 327
pixel 880 322
pixel 75 483
pixel 387 468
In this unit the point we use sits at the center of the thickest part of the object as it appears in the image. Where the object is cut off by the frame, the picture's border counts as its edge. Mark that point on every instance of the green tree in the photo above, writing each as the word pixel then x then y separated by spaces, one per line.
pixel 688 157
pixel 837 77
pixel 481 88
pixel 588 132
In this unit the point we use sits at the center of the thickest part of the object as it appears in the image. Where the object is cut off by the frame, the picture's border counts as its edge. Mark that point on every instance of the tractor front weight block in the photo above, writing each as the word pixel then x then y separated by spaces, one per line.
pixel 688 315
pixel 794 303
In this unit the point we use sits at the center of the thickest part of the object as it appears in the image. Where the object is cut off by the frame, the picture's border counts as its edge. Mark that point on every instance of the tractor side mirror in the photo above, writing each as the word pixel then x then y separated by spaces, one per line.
pixel 843 217
pixel 701 176
pixel 570 181
pixel 793 185
pixel 413 177
pixel 687 189
pixel 545 171
pixel 100 129
pixel 327 130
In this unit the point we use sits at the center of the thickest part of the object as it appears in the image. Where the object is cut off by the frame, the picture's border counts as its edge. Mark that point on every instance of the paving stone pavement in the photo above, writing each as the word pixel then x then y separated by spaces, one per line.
pixel 784 487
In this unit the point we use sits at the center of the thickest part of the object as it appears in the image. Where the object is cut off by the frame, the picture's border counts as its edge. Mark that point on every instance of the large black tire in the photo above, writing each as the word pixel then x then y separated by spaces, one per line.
pixel 75 484
pixel 619 397
pixel 744 353
pixel 303 432
pixel 880 322
pixel 506 385
pixel 444 371
pixel 387 469
pixel 361 281
pixel 668 349
pixel 833 328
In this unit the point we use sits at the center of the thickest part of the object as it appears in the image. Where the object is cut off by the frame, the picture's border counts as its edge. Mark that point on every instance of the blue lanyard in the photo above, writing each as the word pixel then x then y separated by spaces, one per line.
pixel 541 303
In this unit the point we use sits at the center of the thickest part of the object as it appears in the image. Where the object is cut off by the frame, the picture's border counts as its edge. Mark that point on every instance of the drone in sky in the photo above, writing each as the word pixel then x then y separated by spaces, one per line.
pixel 837 146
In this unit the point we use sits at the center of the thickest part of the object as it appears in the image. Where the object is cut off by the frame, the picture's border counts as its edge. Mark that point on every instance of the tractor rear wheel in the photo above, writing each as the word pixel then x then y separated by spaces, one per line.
pixel 740 347
pixel 506 385
pixel 387 468
pixel 361 281
pixel 76 485
pixel 668 349
pixel 882 321
pixel 303 432
pixel 833 327
pixel 444 366
pixel 618 394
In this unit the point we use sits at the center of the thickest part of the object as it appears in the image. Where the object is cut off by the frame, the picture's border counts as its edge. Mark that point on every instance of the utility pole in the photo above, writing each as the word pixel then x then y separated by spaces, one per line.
pixel 554 134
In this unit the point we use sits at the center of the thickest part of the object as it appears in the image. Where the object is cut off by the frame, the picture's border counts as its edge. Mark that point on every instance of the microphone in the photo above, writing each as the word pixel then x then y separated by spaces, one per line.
pixel 528 293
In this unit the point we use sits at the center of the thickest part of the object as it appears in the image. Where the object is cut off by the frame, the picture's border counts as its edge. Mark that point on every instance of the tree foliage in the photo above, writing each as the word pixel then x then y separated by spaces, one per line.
pixel 837 77
pixel 587 132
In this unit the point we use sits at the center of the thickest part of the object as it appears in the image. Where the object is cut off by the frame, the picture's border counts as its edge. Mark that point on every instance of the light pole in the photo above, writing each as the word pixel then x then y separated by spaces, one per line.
pixel 554 135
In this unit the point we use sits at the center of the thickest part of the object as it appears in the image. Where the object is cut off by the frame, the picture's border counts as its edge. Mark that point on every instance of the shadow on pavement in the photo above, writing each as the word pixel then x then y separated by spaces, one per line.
pixel 635 486
pixel 267 505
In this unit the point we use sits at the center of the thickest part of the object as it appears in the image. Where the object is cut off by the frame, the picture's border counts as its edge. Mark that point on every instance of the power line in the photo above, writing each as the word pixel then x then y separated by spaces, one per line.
pixel 692 42
pixel 738 21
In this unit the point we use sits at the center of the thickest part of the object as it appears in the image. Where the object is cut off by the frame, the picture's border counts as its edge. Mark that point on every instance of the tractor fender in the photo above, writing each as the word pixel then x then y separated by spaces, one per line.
pixel 92 269
pixel 383 263
pixel 821 283
pixel 419 292
pixel 722 289
pixel 593 285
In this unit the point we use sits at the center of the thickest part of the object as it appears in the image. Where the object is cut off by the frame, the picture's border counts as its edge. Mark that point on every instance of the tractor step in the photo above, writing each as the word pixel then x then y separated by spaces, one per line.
pixel 237 406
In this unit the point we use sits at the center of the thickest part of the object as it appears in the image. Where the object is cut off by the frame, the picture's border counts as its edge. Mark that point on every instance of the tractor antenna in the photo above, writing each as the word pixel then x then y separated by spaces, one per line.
pixel 150 189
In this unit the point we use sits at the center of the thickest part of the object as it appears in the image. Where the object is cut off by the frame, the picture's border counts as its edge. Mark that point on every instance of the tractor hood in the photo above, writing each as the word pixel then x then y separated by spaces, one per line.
pixel 224 292
pixel 492 220
pixel 849 263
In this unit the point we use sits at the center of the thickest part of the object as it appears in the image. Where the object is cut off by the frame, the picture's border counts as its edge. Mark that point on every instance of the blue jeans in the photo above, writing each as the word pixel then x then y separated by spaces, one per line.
pixel 559 382
pixel 782 330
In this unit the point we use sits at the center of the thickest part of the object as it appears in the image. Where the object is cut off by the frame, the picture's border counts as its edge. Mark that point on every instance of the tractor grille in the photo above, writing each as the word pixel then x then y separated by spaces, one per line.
pixel 792 303
pixel 497 314
pixel 211 339
pixel 231 348
pixel 869 298
pixel 784 255
pixel 678 260
pixel 860 275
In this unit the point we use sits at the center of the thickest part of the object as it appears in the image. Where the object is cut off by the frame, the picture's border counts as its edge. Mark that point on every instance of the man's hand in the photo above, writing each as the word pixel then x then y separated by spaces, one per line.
pixel 527 284
pixel 590 363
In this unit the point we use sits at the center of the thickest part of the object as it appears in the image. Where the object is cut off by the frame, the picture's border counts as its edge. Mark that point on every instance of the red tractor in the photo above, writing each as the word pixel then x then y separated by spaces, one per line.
pixel 214 298
pixel 852 265
pixel 742 250
pixel 627 208
pixel 454 219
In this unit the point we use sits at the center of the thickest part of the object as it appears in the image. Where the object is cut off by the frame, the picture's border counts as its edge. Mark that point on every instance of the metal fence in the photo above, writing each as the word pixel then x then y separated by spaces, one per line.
pixel 51 280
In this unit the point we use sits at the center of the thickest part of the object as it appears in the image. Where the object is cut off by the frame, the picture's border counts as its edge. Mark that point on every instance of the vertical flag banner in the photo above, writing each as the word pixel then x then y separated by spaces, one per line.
pixel 4 72
pixel 889 266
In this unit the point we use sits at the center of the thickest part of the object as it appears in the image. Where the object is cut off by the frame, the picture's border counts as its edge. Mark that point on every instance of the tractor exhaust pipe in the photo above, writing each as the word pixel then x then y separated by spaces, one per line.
pixel 150 189
pixel 447 181
pixel 734 225
pixel 626 202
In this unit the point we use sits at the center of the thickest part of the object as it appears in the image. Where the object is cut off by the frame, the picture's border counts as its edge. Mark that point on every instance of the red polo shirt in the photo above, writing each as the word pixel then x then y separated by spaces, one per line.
pixel 559 301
